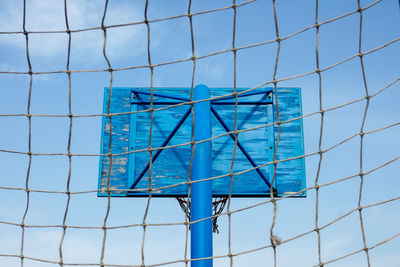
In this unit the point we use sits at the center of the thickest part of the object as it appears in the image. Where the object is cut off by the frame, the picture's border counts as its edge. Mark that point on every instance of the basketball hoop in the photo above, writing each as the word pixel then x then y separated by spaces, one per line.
pixel 218 206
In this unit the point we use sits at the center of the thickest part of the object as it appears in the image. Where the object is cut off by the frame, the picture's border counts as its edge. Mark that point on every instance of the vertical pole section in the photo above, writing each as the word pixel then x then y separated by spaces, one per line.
pixel 201 195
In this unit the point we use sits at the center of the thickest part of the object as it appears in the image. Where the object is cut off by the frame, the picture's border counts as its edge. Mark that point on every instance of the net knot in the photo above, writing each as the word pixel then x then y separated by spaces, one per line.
pixel 278 40
pixel 317 25
pixel 275 240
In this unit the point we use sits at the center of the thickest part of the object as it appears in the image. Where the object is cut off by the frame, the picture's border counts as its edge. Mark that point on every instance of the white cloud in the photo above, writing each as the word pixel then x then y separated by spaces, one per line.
pixel 47 15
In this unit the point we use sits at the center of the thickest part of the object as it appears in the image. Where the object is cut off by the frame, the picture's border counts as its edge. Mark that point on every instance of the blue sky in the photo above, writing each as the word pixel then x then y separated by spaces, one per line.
pixel 170 41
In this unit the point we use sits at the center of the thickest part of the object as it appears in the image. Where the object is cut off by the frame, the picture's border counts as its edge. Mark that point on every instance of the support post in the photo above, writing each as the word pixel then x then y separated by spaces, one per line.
pixel 201 194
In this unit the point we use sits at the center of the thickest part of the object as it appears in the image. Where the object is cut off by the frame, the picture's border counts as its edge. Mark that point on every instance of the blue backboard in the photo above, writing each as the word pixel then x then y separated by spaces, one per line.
pixel 131 120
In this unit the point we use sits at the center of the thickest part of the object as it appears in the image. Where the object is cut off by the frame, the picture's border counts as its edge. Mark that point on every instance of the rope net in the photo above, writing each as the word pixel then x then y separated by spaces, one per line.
pixel 58 57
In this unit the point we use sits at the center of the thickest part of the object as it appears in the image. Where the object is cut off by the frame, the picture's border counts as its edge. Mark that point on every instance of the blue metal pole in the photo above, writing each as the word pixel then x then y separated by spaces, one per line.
pixel 201 194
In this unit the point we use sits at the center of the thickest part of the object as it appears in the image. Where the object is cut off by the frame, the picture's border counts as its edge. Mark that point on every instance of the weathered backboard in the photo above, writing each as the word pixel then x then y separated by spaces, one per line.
pixel 134 130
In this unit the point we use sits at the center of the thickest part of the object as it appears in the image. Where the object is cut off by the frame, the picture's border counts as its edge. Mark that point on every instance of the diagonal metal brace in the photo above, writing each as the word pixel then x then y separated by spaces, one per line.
pixel 169 137
pixel 243 95
pixel 160 95
pixel 249 158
